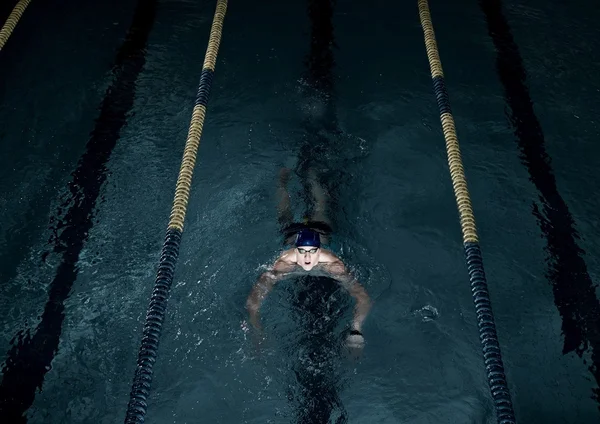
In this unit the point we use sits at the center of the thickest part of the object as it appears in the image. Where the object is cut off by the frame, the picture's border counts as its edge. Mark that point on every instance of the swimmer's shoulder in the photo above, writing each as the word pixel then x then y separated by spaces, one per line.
pixel 327 257
pixel 287 257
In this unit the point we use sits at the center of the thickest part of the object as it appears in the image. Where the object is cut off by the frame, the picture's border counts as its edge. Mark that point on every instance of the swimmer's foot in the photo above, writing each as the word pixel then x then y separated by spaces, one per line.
pixel 312 175
pixel 319 192
pixel 284 176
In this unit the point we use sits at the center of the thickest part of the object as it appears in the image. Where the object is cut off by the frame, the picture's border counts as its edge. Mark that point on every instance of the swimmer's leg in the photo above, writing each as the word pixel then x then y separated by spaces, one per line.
pixel 319 195
pixel 285 217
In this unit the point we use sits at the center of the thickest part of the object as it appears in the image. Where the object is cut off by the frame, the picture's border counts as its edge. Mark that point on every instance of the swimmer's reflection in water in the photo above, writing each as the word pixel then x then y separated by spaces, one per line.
pixel 320 272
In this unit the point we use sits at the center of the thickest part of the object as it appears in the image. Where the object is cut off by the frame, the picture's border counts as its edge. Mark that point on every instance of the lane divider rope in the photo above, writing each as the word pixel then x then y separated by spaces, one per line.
pixel 12 21
pixel 140 390
pixel 483 307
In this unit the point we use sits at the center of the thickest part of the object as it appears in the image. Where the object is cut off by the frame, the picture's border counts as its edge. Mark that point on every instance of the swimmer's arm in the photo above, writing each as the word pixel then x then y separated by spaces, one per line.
pixel 363 303
pixel 263 286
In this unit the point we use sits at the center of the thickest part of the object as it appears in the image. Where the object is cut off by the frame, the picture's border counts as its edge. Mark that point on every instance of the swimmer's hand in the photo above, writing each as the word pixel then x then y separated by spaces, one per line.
pixel 355 341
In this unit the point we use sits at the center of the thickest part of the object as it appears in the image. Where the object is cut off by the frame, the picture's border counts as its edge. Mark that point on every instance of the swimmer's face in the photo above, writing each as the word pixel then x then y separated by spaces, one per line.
pixel 307 257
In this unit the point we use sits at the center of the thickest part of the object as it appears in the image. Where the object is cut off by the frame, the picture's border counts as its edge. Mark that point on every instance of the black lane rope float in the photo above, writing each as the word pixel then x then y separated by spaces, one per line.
pixel 12 21
pixel 483 307
pixel 573 288
pixel 31 355
pixel 155 316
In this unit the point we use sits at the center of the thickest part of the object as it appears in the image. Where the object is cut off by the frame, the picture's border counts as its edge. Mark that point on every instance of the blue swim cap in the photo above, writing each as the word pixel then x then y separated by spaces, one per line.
pixel 308 237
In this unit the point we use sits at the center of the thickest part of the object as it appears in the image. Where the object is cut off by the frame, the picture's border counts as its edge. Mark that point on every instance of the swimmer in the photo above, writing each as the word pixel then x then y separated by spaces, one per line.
pixel 308 256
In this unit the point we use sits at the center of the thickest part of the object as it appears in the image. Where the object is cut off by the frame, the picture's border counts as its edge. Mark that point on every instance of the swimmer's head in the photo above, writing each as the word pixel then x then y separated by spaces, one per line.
pixel 308 245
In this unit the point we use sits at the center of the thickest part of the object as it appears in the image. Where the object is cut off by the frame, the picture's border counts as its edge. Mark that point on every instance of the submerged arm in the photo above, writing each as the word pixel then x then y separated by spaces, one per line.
pixel 261 288
pixel 258 294
pixel 356 290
